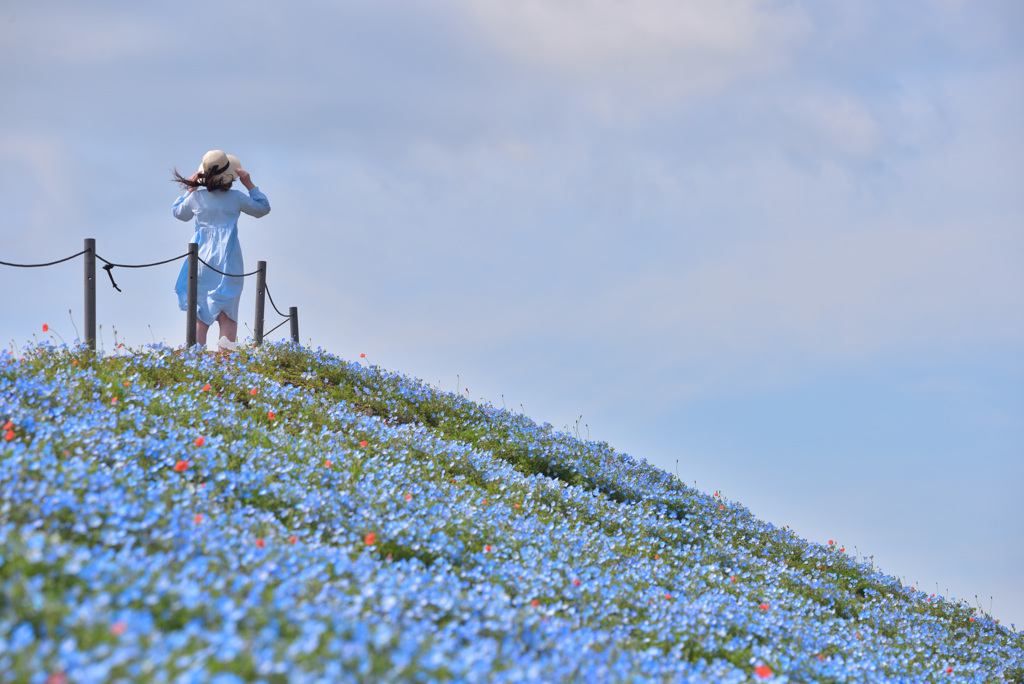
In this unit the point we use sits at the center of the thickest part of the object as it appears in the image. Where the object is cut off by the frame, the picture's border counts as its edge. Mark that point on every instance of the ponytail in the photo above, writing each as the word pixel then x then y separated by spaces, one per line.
pixel 216 180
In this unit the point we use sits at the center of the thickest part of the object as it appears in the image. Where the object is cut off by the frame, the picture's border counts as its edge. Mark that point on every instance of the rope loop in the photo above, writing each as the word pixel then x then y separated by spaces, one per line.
pixel 230 275
pixel 109 268
pixel 277 326
pixel 267 288
pixel 50 263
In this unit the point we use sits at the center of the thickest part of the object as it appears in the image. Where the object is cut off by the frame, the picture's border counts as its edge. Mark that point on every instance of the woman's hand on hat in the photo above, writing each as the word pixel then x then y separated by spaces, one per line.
pixel 243 176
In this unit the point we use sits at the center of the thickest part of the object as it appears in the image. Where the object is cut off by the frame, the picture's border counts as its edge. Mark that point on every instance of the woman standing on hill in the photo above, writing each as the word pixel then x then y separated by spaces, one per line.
pixel 209 199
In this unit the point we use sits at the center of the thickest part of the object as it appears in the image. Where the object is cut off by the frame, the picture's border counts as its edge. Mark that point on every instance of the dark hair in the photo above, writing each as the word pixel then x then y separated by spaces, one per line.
pixel 220 181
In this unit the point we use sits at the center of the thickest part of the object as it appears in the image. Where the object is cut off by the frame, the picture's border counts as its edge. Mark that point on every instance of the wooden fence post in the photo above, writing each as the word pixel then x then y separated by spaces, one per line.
pixel 90 293
pixel 261 292
pixel 191 294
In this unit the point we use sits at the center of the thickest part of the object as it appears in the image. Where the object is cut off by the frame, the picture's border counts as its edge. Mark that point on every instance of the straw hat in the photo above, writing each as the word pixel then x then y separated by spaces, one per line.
pixel 217 162
pixel 233 166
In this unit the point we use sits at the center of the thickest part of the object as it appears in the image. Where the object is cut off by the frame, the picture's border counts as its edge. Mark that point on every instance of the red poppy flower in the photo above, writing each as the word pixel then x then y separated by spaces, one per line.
pixel 363 443
pixel 576 583
pixel 949 670
pixel 206 387
pixel 252 392
pixel 763 606
pixel 370 539
pixel 46 328
pixel 733 578
pixel 487 549
pixel 198 519
pixel 483 501
pixel 119 628
pixel 327 463
pixel 180 466
pixel 293 539
pixel 408 497
pixel 9 435
pixel 200 441
pixel 668 596
pixel 270 415
pixel 362 356
pixel 259 543
pixel 763 671
pixel 113 400
pixel 534 603
pixel 126 383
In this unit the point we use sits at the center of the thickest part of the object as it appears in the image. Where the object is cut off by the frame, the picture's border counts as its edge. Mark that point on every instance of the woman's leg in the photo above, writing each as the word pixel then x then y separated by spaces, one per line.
pixel 228 327
pixel 201 330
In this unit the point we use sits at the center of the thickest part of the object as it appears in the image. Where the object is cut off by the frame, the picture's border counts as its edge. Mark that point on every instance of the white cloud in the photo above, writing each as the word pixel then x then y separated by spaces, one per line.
pixel 835 297
pixel 36 172
pixel 72 35
pixel 671 47
pixel 840 123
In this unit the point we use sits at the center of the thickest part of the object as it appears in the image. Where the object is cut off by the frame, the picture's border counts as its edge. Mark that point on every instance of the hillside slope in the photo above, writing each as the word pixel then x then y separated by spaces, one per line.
pixel 283 515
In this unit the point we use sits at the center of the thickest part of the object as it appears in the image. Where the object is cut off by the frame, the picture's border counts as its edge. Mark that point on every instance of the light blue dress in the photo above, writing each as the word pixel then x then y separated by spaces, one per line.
pixel 216 214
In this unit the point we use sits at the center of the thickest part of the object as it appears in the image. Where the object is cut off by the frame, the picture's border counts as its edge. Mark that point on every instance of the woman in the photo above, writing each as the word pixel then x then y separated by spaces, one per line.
pixel 209 199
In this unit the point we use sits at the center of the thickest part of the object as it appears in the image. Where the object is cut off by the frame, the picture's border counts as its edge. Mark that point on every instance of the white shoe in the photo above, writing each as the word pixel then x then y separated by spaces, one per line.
pixel 224 344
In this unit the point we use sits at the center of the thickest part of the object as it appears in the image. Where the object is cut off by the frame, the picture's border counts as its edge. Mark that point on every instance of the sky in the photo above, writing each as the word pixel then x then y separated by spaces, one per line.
pixel 773 247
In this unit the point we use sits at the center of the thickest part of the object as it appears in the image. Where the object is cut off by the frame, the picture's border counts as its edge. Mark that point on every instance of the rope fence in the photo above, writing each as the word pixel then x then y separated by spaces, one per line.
pixel 262 291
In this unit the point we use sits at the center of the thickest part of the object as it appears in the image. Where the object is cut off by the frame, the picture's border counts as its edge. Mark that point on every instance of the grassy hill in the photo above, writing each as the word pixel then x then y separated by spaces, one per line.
pixel 283 515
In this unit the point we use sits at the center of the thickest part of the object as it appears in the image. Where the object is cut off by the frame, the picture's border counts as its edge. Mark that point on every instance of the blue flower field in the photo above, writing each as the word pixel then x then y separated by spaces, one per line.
pixel 282 515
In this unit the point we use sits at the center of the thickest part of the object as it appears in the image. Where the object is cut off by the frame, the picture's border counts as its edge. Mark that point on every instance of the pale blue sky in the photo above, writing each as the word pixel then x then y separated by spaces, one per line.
pixel 780 242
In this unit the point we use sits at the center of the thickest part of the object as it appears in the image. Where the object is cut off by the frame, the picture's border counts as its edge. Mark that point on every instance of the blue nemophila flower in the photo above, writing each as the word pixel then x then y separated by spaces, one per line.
pixel 446 540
